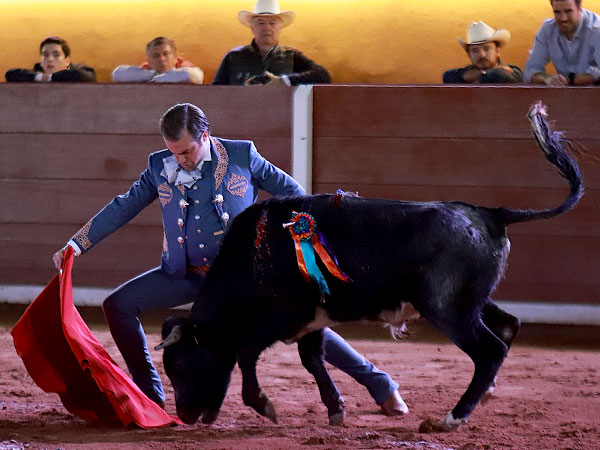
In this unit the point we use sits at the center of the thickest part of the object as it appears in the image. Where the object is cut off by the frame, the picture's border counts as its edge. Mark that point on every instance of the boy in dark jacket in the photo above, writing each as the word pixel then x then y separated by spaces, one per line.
pixel 55 65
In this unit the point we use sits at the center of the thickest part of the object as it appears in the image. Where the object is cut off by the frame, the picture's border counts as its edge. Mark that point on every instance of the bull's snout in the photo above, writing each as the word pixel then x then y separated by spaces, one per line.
pixel 191 417
pixel 209 417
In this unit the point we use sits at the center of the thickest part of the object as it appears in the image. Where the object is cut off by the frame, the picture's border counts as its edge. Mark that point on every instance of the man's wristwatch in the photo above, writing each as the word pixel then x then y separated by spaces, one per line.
pixel 571 79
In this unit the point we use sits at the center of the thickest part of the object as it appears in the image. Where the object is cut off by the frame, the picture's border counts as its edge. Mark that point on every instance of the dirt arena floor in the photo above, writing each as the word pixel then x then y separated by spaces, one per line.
pixel 548 397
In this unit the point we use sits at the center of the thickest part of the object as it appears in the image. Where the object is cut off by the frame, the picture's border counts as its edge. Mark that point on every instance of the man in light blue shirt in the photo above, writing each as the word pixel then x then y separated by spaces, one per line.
pixel 572 41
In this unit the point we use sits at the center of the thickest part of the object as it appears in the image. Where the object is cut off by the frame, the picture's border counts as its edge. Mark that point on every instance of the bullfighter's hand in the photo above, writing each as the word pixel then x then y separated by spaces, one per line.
pixel 58 258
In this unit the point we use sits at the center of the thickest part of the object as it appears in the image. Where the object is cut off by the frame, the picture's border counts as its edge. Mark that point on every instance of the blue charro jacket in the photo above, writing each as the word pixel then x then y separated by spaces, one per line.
pixel 238 172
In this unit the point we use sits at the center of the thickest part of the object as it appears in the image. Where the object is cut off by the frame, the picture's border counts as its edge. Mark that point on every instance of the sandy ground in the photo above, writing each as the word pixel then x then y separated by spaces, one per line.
pixel 548 397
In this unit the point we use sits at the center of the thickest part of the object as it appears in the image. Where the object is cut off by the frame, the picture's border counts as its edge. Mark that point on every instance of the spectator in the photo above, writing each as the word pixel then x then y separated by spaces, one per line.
pixel 264 61
pixel 572 42
pixel 163 66
pixel 483 45
pixel 55 65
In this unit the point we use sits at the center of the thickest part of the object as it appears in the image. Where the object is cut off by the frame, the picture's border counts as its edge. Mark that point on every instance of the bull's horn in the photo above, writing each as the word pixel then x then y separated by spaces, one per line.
pixel 172 338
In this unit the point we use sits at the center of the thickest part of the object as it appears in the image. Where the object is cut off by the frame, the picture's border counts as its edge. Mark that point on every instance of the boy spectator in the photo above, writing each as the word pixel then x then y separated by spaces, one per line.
pixel 55 65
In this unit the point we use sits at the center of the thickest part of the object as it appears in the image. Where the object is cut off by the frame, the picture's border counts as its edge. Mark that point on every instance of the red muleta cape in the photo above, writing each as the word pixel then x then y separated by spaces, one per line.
pixel 62 355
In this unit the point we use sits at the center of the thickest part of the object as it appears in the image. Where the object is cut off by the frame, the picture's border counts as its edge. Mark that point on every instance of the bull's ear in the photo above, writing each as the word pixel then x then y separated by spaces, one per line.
pixel 171 339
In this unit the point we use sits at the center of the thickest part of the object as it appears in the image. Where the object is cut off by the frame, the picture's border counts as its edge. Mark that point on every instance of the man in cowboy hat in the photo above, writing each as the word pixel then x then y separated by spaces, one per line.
pixel 483 45
pixel 264 61
pixel 572 42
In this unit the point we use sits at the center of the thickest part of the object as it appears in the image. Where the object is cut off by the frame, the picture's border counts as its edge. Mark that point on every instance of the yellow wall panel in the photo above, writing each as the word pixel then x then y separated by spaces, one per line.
pixel 358 41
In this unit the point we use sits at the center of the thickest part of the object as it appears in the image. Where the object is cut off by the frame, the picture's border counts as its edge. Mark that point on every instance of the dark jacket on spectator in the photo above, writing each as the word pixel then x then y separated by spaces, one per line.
pixel 495 75
pixel 245 62
pixel 75 72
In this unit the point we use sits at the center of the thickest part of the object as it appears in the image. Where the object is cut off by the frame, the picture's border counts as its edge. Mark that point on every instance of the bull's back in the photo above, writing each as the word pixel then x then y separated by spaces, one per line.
pixel 391 250
pixel 408 252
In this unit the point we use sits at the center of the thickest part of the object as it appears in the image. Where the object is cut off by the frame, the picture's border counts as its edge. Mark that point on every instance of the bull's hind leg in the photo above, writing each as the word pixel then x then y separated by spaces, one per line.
pixel 252 395
pixel 485 349
pixel 310 348
pixel 502 324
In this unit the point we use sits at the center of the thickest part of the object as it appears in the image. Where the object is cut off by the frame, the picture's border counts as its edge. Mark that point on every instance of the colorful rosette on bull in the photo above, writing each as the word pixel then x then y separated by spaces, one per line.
pixel 308 239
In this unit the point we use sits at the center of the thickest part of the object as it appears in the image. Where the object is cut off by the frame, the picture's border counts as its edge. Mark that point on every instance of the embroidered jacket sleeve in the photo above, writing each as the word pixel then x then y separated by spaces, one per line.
pixel 119 211
pixel 271 178
pixel 75 73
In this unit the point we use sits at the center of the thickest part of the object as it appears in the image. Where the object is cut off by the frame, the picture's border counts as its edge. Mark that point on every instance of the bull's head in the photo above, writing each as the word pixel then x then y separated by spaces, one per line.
pixel 199 366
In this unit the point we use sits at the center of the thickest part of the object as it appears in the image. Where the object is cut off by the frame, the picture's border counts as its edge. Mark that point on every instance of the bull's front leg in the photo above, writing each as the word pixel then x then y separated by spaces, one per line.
pixel 310 348
pixel 251 392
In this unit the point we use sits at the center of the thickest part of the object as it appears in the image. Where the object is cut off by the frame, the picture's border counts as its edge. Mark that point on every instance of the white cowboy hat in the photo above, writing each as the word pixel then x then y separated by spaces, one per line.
pixel 267 8
pixel 480 33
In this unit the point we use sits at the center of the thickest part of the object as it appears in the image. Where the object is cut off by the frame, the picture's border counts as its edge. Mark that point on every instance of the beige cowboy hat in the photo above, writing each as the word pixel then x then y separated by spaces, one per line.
pixel 267 8
pixel 480 33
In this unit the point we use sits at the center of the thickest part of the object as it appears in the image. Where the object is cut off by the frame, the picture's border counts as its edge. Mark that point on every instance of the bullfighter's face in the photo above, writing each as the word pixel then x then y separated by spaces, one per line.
pixel 199 371
pixel 189 151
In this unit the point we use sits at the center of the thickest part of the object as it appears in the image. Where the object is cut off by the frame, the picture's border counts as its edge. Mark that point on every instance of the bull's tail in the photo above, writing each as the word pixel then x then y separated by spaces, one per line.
pixel 551 143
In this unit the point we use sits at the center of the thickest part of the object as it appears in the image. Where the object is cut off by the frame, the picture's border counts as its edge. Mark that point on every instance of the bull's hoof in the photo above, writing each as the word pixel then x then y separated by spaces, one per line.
pixel 337 419
pixel 430 425
pixel 269 411
pixel 449 423
pixel 264 407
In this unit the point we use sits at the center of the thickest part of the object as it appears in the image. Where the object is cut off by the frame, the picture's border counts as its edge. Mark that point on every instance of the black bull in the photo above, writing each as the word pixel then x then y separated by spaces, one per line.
pixel 443 258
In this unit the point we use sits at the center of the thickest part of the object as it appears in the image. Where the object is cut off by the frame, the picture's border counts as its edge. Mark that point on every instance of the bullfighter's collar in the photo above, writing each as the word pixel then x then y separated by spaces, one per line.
pixel 178 176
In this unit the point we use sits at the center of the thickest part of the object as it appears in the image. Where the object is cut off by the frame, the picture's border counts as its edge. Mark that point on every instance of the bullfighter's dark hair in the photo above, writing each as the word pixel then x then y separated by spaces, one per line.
pixel 161 40
pixel 183 117
pixel 57 40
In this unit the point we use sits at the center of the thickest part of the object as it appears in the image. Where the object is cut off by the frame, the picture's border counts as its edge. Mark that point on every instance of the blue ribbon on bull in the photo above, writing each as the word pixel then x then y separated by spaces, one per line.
pixel 308 240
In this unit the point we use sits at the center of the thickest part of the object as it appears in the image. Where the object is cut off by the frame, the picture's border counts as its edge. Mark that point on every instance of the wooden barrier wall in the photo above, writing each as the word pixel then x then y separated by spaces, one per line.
pixel 472 144
pixel 66 150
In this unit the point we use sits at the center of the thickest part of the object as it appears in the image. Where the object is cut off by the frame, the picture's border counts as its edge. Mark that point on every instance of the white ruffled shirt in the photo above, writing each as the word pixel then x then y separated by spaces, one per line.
pixel 176 175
